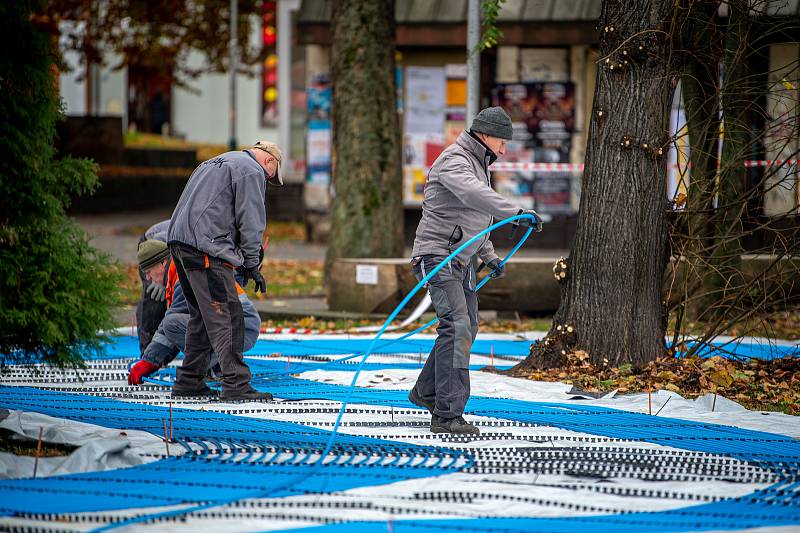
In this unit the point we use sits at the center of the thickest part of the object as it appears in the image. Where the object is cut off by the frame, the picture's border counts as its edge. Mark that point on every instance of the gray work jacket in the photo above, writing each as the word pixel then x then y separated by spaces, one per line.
pixel 460 200
pixel 222 210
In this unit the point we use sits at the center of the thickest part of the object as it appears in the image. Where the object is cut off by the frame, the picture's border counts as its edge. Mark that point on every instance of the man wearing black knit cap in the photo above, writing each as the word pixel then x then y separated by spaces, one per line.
pixel 459 203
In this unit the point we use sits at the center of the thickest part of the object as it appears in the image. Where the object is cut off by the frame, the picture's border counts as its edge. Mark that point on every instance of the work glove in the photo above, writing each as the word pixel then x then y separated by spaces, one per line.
pixel 536 223
pixel 140 370
pixel 156 291
pixel 255 275
pixel 498 270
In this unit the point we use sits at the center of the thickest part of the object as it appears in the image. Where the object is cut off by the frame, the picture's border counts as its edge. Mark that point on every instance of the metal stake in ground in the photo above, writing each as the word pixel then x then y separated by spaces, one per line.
pixel 38 452
pixel 166 436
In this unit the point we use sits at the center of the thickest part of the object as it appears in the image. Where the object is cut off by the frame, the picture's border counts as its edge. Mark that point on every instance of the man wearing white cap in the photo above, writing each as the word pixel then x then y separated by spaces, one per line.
pixel 217 228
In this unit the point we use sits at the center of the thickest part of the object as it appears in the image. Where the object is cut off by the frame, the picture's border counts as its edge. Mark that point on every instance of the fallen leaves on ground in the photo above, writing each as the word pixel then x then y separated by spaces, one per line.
pixel 344 325
pixel 131 287
pixel 290 278
pixel 284 278
pixel 277 231
pixel 286 231
pixel 756 384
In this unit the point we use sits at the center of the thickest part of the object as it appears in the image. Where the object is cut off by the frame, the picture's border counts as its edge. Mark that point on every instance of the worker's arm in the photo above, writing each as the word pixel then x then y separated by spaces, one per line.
pixel 487 253
pixel 251 214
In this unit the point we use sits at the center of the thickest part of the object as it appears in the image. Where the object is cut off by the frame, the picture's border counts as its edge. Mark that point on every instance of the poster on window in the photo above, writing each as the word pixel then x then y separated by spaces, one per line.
pixel 425 100
pixel 543 121
pixel 420 150
pixel 543 115
pixel 318 134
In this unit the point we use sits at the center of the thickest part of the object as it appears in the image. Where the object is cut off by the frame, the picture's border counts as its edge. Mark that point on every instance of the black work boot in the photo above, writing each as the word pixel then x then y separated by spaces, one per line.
pixel 455 425
pixel 251 395
pixel 417 400
pixel 202 392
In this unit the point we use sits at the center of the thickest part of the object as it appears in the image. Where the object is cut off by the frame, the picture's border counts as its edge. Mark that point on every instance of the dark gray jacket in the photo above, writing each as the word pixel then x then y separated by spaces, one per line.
pixel 460 200
pixel 222 211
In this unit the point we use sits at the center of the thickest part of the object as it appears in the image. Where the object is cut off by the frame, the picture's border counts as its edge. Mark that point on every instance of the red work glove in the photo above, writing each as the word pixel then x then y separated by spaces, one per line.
pixel 139 370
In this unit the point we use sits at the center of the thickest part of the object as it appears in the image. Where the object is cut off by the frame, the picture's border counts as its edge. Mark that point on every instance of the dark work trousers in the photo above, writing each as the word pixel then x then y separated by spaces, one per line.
pixel 216 322
pixel 149 313
pixel 445 377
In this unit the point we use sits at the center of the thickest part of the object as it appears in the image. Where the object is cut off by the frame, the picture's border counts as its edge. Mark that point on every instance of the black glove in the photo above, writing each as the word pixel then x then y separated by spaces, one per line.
pixel 255 275
pixel 498 270
pixel 535 223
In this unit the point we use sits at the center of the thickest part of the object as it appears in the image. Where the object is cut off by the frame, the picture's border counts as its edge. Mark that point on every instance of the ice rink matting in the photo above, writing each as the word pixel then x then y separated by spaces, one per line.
pixel 544 461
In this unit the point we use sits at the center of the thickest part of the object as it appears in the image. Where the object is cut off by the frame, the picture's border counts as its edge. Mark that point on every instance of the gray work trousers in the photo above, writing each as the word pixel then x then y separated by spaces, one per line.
pixel 216 322
pixel 444 380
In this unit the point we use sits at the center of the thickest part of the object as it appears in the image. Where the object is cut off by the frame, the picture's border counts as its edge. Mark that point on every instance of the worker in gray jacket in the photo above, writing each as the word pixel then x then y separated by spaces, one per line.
pixel 459 203
pixel 217 227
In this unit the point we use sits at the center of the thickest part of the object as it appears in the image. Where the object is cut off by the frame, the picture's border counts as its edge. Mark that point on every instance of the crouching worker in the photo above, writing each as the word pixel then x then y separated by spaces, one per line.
pixel 152 305
pixel 218 227
pixel 170 336
pixel 459 203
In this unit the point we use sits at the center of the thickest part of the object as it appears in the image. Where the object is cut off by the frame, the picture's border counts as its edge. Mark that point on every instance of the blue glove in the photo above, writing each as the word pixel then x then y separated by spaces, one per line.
pixel 498 270
pixel 535 223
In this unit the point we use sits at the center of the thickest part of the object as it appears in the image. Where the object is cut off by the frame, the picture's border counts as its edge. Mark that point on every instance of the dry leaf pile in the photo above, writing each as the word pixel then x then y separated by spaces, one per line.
pixel 290 278
pixel 758 385
pixel 284 278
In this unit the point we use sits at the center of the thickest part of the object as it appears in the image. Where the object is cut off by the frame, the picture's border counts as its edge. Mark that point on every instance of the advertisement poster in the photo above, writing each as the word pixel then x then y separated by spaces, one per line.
pixel 423 126
pixel 543 118
pixel 543 65
pixel 456 111
pixel 544 113
pixel 425 100
pixel 318 140
pixel 420 150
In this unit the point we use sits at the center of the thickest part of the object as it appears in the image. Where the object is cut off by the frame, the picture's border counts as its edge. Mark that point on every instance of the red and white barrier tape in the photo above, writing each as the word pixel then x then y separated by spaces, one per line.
pixel 578 167
pixel 771 162
pixel 294 331
pixel 537 167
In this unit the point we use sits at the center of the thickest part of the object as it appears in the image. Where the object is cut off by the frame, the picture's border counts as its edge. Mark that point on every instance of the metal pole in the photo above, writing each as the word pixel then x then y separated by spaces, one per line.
pixel 473 59
pixel 234 65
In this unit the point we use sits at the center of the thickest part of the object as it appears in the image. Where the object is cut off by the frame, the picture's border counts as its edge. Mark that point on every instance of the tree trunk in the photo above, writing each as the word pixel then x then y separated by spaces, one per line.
pixel 611 302
pixel 367 210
